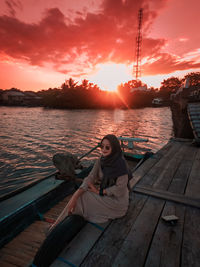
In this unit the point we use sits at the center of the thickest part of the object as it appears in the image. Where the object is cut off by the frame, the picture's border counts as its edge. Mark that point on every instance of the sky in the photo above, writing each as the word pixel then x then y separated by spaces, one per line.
pixel 44 43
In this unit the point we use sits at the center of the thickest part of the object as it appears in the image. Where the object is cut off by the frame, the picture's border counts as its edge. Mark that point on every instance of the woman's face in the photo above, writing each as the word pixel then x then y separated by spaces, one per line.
pixel 106 148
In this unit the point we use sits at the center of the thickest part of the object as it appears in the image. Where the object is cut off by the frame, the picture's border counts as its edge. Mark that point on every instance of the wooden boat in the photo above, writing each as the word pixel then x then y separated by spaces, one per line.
pixel 26 216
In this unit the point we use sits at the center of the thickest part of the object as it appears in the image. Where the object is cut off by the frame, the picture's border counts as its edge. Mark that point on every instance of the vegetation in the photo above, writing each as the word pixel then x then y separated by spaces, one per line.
pixel 131 94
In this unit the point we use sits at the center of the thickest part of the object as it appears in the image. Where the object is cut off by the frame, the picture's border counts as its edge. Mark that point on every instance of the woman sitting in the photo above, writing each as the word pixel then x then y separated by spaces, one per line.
pixel 104 194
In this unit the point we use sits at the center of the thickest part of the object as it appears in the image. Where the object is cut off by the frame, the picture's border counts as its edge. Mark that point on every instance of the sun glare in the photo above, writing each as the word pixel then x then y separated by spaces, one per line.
pixel 110 75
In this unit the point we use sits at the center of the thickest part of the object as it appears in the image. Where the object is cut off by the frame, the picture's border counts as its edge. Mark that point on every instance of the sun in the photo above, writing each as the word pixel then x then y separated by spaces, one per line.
pixel 109 75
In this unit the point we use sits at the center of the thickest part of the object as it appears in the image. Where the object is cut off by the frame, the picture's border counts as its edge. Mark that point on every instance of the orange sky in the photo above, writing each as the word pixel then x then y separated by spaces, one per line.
pixel 42 43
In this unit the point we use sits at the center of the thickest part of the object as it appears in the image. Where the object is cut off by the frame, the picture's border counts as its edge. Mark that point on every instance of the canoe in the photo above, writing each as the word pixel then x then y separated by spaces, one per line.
pixel 20 211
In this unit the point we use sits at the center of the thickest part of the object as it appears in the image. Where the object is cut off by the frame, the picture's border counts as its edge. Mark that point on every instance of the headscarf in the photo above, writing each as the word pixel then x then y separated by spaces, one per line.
pixel 113 165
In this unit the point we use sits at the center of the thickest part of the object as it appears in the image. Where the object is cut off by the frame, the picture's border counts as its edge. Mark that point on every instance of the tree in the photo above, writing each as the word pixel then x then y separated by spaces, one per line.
pixel 171 85
pixel 85 84
pixel 194 78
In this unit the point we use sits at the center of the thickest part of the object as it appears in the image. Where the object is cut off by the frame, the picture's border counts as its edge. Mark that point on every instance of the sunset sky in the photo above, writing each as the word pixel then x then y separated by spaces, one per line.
pixel 43 43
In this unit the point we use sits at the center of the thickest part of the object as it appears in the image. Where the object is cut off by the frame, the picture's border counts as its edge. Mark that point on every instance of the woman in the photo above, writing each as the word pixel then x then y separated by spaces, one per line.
pixel 104 194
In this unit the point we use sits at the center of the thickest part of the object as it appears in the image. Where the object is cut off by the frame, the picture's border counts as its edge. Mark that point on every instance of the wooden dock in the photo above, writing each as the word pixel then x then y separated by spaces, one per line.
pixel 194 117
pixel 166 184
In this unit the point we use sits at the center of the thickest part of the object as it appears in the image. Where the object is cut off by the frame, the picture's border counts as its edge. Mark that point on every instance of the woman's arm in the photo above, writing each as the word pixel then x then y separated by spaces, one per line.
pixel 120 188
pixel 91 177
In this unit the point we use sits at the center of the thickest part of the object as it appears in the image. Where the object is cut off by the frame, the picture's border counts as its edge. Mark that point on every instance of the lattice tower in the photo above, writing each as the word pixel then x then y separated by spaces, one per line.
pixel 138 45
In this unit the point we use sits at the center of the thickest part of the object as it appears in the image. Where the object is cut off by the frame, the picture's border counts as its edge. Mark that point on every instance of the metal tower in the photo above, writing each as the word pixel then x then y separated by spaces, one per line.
pixel 138 45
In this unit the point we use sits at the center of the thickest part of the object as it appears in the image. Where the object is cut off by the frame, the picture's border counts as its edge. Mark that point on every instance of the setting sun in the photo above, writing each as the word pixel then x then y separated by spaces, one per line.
pixel 110 75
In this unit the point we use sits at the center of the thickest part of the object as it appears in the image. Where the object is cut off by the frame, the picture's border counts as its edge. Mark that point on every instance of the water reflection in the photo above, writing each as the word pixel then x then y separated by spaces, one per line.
pixel 29 137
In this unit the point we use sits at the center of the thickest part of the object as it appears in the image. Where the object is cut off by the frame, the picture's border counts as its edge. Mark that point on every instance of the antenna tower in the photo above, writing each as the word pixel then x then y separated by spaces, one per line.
pixel 138 45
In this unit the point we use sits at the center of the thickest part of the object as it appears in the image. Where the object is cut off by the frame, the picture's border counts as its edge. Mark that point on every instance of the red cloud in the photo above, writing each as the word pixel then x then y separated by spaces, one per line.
pixel 13 5
pixel 166 64
pixel 87 40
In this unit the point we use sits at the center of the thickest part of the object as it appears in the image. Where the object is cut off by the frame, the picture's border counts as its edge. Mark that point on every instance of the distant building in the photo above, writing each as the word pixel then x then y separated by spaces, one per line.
pixel 13 97
pixel 140 88
pixel 31 99
pixel 17 98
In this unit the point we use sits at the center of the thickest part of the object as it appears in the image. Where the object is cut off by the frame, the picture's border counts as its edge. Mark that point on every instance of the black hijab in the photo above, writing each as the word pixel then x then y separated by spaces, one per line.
pixel 113 165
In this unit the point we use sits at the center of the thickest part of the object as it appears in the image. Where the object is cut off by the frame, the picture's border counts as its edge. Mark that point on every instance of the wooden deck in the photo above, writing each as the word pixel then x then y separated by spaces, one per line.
pixel 194 117
pixel 167 184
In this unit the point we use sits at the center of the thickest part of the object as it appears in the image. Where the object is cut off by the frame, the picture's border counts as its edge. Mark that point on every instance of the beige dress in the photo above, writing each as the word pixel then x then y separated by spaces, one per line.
pixel 99 209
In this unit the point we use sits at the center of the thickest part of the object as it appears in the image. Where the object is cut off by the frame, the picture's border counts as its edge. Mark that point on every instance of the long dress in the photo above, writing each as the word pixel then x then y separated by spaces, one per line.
pixel 99 209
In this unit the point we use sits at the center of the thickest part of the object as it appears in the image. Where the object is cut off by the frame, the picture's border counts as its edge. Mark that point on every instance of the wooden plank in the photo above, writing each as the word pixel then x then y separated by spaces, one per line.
pixel 14 260
pixel 135 246
pixel 178 198
pixel 193 186
pixel 148 164
pixel 170 167
pixel 6 264
pixel 163 169
pixel 76 250
pixel 9 206
pixel 107 247
pixel 191 241
pixel 182 174
pixel 21 246
pixel 165 249
pixel 19 249
pixel 16 253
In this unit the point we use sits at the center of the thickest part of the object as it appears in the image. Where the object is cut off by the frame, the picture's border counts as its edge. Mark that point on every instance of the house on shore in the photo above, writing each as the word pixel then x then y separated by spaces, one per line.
pixel 14 97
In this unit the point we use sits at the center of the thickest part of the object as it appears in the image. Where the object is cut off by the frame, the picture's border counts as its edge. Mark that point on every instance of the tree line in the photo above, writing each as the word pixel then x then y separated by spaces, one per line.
pixel 131 94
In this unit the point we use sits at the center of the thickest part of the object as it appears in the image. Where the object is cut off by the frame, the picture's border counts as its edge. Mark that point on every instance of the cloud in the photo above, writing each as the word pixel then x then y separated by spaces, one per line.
pixel 12 5
pixel 166 63
pixel 86 40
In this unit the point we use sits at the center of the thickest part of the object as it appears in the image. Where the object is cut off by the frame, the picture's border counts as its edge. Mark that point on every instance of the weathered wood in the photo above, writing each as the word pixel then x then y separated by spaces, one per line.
pixel 19 201
pixel 191 241
pixel 178 198
pixel 6 264
pixel 16 253
pixel 13 260
pixel 79 247
pixel 180 178
pixel 193 186
pixel 135 246
pixel 147 165
pixel 165 249
pixel 161 167
pixel 193 114
pixel 169 168
pixel 108 246
pixel 26 244
pixel 21 246
pixel 19 250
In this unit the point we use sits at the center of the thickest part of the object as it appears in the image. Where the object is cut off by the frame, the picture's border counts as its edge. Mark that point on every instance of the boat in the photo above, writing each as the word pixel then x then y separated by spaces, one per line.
pixel 157 102
pixel 41 204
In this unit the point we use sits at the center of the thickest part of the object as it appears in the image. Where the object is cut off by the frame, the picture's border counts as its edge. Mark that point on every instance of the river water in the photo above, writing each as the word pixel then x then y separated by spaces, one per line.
pixel 29 137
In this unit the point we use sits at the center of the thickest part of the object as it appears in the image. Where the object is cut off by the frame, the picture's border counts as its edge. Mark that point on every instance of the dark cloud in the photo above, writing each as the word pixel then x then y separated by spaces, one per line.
pixel 86 40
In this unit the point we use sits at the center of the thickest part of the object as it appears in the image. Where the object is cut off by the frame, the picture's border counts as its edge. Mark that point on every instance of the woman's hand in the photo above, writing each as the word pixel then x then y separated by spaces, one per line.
pixel 71 205
pixel 92 188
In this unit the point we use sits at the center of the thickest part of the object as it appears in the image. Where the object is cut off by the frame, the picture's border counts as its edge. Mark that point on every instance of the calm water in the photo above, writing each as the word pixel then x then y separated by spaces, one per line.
pixel 29 137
